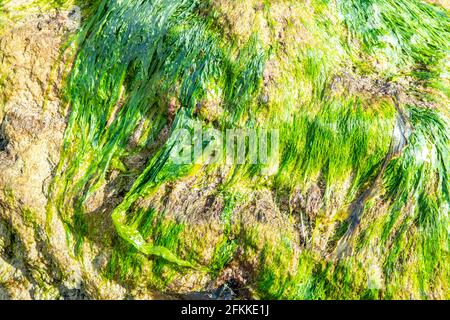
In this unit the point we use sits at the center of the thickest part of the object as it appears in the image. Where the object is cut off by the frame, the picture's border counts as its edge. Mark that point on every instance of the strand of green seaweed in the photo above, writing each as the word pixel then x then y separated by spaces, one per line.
pixel 180 56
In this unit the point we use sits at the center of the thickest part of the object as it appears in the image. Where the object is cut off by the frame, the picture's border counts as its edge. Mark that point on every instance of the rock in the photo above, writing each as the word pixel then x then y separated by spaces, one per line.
pixel 31 131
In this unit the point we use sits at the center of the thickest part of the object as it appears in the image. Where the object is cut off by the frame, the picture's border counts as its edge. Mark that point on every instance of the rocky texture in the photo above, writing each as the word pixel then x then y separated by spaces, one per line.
pixel 32 265
pixel 38 258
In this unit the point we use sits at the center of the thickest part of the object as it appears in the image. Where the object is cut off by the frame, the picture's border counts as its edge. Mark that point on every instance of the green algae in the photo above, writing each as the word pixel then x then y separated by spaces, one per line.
pixel 136 57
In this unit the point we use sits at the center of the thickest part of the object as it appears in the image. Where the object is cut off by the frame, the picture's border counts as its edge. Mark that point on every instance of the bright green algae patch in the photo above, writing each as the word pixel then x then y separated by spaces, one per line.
pixel 150 65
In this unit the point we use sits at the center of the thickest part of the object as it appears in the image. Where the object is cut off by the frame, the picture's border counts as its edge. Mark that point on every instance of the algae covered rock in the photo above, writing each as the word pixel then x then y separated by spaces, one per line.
pixel 225 149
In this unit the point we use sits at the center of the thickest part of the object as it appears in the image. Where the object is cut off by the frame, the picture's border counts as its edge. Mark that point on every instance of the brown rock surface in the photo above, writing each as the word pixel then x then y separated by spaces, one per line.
pixel 33 262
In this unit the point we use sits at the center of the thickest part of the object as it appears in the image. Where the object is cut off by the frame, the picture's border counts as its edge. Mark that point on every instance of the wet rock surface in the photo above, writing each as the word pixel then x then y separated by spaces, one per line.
pixel 32 124
pixel 37 257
